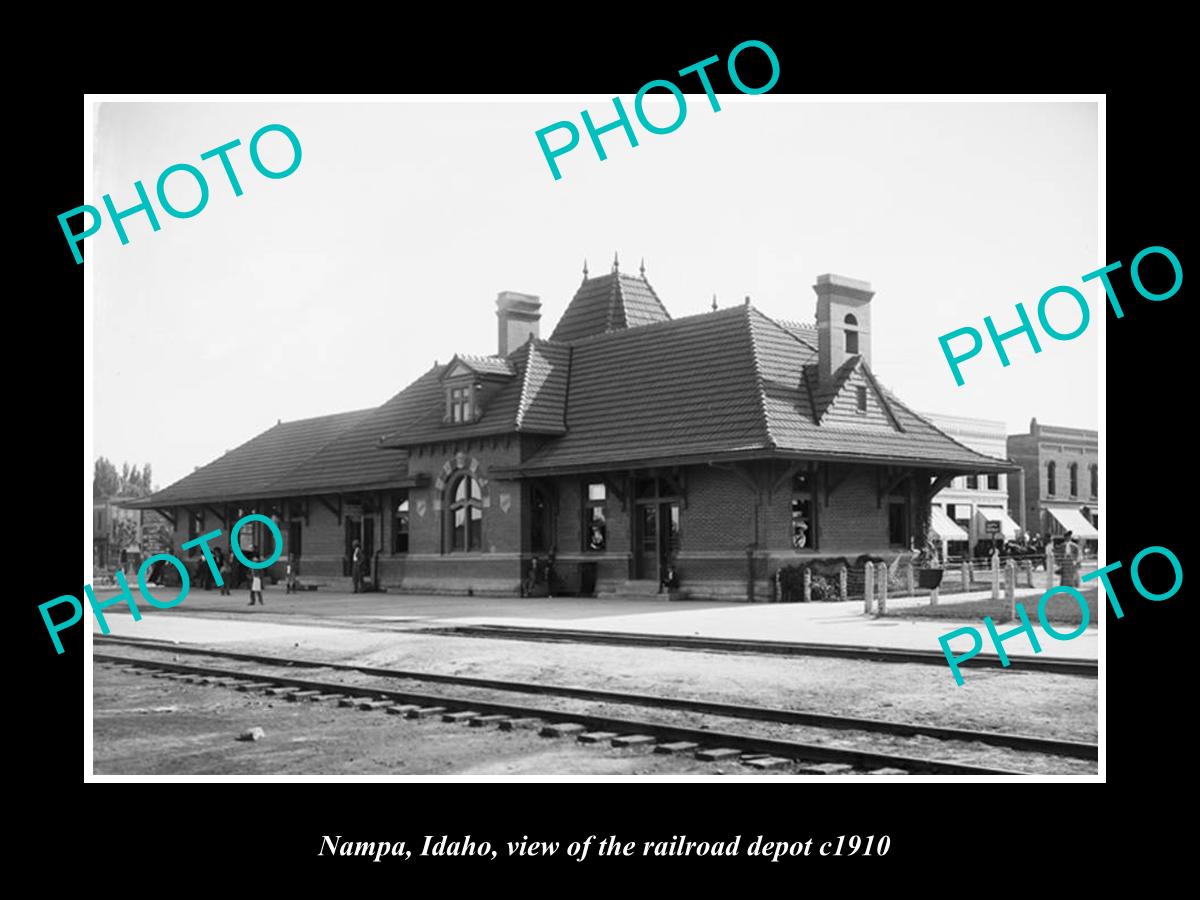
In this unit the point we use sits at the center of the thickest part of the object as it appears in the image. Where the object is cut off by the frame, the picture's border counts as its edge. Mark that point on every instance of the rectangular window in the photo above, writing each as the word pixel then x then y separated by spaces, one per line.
pixel 400 524
pixel 460 404
pixel 862 399
pixel 973 482
pixel 595 517
pixel 804 533
pixel 898 524
pixel 196 528
pixel 993 482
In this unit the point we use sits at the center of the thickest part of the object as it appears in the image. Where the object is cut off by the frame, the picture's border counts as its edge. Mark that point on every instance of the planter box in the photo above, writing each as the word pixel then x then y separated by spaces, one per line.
pixel 928 579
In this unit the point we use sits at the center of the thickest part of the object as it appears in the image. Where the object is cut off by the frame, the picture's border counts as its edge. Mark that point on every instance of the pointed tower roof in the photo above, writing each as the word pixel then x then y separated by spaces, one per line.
pixel 609 302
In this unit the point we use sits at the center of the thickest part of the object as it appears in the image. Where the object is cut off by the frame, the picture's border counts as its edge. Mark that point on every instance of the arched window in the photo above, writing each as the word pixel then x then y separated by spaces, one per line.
pixel 466 514
pixel 851 334
pixel 1073 473
pixel 1095 479
pixel 1050 478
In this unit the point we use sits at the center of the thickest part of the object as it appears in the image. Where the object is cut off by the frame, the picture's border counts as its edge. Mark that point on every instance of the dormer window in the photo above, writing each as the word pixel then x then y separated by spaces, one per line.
pixel 460 404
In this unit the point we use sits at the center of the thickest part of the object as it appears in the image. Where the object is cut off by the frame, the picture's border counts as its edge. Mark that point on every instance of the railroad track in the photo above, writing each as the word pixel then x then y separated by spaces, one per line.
pixel 772 648
pixel 775 750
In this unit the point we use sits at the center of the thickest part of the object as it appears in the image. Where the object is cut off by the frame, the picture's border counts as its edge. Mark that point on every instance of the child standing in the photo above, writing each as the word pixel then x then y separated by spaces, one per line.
pixel 293 572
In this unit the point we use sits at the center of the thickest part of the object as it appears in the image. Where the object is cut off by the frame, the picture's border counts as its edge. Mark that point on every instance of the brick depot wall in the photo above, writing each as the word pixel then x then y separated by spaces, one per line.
pixel 427 567
pixel 724 517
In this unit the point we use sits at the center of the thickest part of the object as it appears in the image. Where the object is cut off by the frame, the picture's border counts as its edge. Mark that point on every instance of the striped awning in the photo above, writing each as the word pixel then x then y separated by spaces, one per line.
pixel 1072 520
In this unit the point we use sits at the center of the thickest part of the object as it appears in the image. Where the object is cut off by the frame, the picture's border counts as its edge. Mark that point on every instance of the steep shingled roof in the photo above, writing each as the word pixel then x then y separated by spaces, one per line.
pixel 250 469
pixel 607 303
pixel 619 383
pixel 720 382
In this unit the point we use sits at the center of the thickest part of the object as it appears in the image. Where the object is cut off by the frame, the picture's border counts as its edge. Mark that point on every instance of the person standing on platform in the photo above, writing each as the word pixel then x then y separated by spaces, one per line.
pixel 356 567
pixel 225 567
pixel 256 584
pixel 293 573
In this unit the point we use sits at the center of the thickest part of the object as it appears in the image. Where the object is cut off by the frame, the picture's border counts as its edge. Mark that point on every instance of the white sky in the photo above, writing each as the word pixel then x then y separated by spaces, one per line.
pixel 333 288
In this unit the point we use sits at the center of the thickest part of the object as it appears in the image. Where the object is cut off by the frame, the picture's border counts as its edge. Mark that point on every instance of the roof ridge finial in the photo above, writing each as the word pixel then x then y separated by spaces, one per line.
pixel 642 268
pixel 585 268
pixel 714 306
pixel 616 262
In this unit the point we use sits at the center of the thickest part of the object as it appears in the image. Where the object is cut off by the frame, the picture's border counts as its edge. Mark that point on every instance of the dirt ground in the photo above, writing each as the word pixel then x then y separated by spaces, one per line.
pixel 150 726
pixel 992 699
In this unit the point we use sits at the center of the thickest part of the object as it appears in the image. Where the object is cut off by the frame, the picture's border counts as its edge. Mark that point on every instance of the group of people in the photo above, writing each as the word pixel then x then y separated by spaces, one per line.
pixel 233 574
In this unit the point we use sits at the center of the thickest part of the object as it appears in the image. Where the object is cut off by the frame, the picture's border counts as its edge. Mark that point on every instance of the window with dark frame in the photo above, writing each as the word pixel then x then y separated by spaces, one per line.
pixel 862 399
pixel 804 535
pixel 973 482
pixel 595 517
pixel 898 524
pixel 400 523
pixel 460 404
pixel 541 525
pixel 1073 477
pixel 993 482
pixel 1095 471
pixel 1050 479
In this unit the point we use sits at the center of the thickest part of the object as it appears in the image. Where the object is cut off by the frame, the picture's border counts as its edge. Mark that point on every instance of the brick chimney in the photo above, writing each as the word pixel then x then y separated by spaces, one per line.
pixel 843 321
pixel 518 316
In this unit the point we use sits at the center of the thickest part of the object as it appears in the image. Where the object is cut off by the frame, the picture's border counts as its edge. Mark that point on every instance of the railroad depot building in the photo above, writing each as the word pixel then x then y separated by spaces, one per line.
pixel 724 444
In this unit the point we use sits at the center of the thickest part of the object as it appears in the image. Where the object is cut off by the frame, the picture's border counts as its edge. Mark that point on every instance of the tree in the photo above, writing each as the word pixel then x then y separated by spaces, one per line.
pixel 105 480
pixel 129 482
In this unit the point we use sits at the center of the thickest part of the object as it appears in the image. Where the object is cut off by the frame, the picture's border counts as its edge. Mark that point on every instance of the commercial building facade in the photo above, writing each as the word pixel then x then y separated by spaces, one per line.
pixel 974 508
pixel 721 445
pixel 1061 482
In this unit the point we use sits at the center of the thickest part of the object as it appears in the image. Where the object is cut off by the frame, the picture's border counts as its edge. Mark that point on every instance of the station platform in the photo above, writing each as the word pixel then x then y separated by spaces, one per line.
pixel 229 618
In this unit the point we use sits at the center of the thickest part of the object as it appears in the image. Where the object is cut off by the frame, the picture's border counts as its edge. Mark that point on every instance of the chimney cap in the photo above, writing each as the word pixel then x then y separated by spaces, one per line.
pixel 514 301
pixel 842 281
